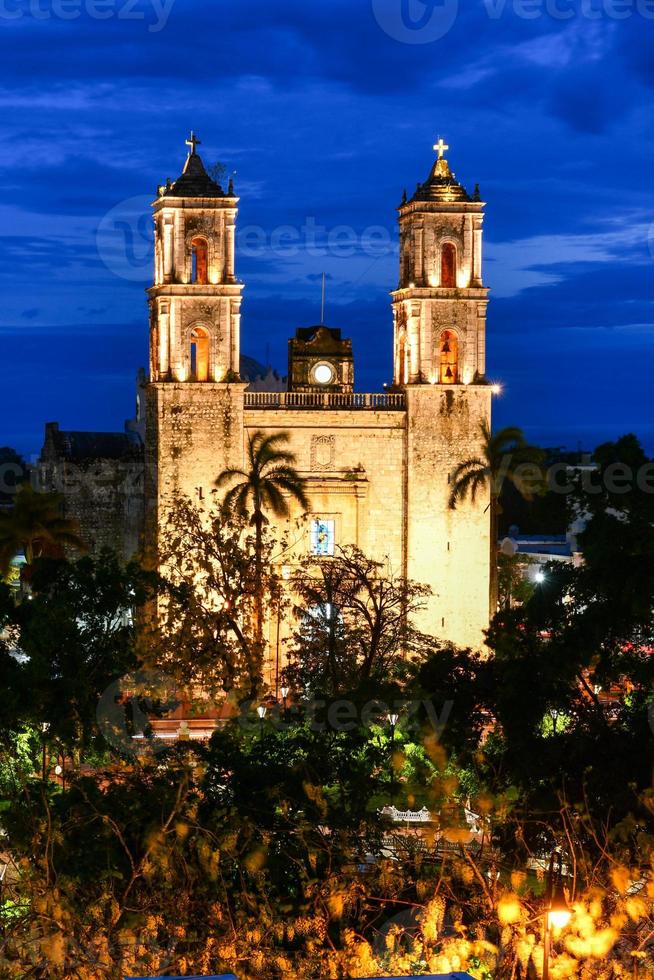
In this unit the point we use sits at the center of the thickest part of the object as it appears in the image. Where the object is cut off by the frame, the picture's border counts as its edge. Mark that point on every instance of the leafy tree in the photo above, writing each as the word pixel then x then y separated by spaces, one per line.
pixel 34 526
pixel 267 486
pixel 265 853
pixel 505 455
pixel 220 577
pixel 61 651
pixel 515 586
pixel 354 623
pixel 13 472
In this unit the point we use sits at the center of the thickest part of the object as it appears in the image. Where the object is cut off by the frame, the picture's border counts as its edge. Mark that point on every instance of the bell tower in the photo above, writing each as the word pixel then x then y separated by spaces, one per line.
pixel 439 307
pixel 194 399
pixel 195 301
pixel 439 312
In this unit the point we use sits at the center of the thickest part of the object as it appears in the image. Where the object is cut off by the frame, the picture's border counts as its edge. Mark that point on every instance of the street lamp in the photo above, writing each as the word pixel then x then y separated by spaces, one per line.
pixel 392 721
pixel 557 911
pixel 3 871
pixel 262 711
pixel 45 727
pixel 285 692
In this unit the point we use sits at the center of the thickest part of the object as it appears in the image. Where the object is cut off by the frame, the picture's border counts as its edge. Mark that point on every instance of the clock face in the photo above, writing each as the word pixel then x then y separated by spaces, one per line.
pixel 323 373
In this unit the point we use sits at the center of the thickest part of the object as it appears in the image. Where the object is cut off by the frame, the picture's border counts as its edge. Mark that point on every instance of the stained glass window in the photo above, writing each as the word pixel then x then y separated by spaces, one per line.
pixel 322 537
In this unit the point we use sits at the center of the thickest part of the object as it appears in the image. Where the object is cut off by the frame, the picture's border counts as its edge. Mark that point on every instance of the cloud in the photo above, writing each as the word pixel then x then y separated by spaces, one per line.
pixel 324 115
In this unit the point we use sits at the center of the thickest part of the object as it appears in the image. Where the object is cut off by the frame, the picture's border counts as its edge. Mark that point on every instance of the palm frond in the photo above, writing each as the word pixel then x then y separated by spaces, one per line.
pixel 470 485
pixel 237 499
pixel 231 473
pixel 275 499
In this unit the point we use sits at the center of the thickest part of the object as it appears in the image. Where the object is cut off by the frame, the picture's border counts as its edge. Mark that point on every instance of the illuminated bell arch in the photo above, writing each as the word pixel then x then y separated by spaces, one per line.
pixel 448 265
pixel 449 358
pixel 199 261
pixel 199 354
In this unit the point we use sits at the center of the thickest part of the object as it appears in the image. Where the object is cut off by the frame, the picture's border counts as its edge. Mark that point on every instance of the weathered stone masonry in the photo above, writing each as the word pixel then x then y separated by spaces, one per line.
pixel 378 466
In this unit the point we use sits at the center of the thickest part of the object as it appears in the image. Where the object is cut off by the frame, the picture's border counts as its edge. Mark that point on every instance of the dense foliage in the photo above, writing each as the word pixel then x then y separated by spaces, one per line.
pixel 268 850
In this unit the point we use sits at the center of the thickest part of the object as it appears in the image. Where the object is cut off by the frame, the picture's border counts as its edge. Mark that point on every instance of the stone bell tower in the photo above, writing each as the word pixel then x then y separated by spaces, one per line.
pixel 195 301
pixel 439 312
pixel 439 307
pixel 194 399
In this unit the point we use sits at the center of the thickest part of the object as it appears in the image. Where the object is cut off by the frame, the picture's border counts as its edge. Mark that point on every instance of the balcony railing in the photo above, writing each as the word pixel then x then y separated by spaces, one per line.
pixel 378 402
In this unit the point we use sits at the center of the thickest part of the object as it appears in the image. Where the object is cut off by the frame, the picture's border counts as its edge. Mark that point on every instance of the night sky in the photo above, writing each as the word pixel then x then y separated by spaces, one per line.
pixel 326 111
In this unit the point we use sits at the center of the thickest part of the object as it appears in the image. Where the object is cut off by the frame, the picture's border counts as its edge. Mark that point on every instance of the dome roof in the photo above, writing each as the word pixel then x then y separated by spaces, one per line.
pixel 441 185
pixel 194 180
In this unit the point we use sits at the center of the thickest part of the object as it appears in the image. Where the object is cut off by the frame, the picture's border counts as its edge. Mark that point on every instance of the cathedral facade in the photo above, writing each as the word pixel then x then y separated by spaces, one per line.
pixel 377 465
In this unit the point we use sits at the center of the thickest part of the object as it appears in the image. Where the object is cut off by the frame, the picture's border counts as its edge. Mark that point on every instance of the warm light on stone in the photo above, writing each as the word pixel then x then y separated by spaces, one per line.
pixel 376 465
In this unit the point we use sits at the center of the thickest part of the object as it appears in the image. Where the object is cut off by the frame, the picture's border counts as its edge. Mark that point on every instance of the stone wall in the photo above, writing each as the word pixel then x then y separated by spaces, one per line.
pixel 448 549
pixel 382 476
pixel 193 432
pixel 100 478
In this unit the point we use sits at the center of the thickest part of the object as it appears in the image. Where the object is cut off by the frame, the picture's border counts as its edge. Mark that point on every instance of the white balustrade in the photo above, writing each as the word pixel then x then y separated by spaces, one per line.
pixel 374 401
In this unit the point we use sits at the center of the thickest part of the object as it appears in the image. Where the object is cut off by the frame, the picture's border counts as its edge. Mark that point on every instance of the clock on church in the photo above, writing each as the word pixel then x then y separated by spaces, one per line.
pixel 318 359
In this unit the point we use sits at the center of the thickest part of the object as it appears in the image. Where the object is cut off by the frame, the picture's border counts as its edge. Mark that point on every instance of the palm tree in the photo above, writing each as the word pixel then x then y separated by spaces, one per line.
pixel 505 455
pixel 267 485
pixel 34 526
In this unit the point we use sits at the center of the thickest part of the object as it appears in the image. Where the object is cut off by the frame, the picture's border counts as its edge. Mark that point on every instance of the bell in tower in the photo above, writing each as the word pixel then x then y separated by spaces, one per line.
pixel 195 301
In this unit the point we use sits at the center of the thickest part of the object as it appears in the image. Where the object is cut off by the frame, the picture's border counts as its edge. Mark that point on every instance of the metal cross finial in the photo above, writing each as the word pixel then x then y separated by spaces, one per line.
pixel 441 147
pixel 193 142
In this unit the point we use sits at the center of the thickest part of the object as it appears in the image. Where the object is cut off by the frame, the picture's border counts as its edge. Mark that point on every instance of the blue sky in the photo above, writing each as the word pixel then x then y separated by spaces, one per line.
pixel 326 111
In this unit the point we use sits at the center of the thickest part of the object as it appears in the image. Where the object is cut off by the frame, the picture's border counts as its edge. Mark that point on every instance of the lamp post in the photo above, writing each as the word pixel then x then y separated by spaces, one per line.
pixel 557 912
pixel 392 721
pixel 262 711
pixel 45 726
pixel 3 871
pixel 285 691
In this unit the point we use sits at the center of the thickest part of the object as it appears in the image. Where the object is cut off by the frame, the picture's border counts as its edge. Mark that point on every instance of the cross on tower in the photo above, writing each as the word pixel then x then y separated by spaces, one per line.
pixel 193 142
pixel 441 147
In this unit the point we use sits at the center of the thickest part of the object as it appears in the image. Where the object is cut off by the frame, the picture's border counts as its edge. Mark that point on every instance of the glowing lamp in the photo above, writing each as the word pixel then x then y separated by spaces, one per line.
pixel 557 912
pixel 496 389
pixel 285 691
pixel 393 719
pixel 559 917
pixel 262 711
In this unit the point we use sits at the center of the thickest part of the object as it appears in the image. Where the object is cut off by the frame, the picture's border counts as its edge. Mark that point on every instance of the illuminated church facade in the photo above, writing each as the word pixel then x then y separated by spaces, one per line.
pixel 377 466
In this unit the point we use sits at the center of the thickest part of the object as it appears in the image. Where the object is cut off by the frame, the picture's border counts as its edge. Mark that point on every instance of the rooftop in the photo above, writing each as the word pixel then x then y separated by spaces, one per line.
pixel 81 446
pixel 441 184
pixel 194 180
